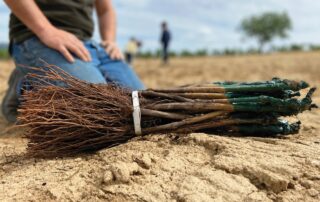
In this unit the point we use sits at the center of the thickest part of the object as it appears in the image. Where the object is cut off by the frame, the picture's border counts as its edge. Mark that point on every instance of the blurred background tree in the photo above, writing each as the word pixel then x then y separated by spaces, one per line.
pixel 4 51
pixel 266 26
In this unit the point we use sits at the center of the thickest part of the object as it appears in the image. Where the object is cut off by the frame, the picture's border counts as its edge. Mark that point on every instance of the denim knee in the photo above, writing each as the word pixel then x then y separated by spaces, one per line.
pixel 33 53
pixel 121 74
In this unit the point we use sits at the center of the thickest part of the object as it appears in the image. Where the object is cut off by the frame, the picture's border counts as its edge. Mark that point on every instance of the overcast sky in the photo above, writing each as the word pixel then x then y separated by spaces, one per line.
pixel 195 24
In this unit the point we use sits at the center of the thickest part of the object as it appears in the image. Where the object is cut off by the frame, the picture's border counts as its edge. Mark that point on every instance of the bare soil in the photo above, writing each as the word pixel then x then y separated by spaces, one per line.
pixel 195 167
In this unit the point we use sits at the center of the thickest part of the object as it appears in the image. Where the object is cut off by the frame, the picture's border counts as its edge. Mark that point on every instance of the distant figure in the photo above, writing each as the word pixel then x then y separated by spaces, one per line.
pixel 132 49
pixel 165 41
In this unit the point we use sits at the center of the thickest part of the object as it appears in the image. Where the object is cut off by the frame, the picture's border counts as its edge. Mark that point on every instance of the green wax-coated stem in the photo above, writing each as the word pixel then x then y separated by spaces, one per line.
pixel 258 88
pixel 279 94
pixel 257 99
pixel 267 86
pixel 300 84
pixel 283 110
pixel 282 127
pixel 268 117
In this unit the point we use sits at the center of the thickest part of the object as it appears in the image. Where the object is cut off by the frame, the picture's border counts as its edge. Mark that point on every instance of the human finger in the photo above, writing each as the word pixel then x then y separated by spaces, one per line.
pixel 121 55
pixel 83 50
pixel 64 51
pixel 77 51
pixel 118 54
pixel 113 54
pixel 109 48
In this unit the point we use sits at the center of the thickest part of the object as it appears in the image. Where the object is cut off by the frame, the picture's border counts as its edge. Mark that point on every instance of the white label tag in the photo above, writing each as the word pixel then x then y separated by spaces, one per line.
pixel 136 113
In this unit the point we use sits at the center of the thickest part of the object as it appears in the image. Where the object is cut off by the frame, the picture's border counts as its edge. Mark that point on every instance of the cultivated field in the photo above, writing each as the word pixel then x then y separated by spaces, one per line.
pixel 197 167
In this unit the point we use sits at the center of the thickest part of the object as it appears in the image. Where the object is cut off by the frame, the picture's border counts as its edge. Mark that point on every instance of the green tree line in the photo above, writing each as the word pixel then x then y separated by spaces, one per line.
pixel 4 54
pixel 263 27
pixel 204 52
pixel 230 51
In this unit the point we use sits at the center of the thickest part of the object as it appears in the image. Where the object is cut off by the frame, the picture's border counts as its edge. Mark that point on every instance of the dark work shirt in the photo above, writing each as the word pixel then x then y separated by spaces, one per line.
pixel 74 16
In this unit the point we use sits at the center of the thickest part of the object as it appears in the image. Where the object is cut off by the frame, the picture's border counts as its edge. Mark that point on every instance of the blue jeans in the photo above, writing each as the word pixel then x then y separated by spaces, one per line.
pixel 32 53
pixel 100 70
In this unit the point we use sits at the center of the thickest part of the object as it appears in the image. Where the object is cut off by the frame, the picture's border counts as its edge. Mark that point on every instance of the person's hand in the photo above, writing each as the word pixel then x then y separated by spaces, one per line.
pixel 113 50
pixel 66 43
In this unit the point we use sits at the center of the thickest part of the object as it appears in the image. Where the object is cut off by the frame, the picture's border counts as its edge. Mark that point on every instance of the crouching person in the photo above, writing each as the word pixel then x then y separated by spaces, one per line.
pixel 59 32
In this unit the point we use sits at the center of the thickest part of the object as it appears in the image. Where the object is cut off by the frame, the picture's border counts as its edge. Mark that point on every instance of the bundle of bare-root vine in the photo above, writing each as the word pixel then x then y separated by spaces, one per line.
pixel 66 116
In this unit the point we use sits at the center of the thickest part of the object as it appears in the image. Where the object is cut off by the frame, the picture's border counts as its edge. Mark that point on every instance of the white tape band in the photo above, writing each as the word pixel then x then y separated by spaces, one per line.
pixel 136 113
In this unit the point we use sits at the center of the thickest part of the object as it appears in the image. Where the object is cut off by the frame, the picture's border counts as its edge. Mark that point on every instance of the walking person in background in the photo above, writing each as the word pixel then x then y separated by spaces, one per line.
pixel 165 42
pixel 132 49
pixel 59 32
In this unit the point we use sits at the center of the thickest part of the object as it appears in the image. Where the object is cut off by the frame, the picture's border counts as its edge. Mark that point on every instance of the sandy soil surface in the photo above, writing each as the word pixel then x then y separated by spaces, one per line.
pixel 196 167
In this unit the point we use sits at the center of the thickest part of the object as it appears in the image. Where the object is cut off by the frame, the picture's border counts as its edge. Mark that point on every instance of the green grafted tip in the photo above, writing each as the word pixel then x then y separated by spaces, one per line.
pixel 303 85
pixel 267 104
pixel 289 94
pixel 306 103
pixel 294 85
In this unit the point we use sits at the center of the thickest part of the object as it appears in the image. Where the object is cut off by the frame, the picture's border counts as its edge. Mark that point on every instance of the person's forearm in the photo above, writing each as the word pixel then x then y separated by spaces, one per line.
pixel 107 26
pixel 30 14
pixel 107 20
